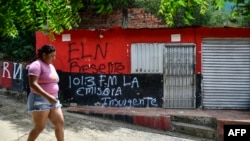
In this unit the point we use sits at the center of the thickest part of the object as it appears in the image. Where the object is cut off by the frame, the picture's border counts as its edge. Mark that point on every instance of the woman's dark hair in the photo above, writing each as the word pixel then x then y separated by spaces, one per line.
pixel 47 49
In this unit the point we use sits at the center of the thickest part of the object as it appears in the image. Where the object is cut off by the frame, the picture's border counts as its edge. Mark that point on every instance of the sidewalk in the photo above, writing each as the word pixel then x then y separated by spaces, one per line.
pixel 159 118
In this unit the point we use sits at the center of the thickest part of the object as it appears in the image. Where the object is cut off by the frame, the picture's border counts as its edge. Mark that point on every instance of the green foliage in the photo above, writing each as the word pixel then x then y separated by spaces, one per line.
pixel 107 6
pixel 54 16
pixel 205 13
pixel 179 13
pixel 170 8
pixel 151 6
pixel 217 17
pixel 49 16
pixel 241 8
pixel 21 48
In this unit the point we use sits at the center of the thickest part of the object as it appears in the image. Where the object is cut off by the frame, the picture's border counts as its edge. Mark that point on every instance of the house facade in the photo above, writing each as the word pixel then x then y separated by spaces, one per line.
pixel 195 67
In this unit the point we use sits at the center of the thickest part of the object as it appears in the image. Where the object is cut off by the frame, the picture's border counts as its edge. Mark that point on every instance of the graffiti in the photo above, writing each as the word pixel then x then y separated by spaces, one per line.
pixel 118 90
pixel 98 50
pixel 78 54
pixel 17 70
pixel 104 86
pixel 99 69
pixel 82 91
pixel 134 102
pixel 11 75
pixel 110 90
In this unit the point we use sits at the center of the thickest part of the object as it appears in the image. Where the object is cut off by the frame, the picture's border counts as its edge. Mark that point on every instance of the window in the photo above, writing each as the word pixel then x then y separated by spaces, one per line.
pixel 147 58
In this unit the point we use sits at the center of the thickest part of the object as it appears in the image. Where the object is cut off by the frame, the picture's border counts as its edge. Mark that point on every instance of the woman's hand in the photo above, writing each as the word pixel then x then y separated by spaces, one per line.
pixel 33 82
pixel 52 100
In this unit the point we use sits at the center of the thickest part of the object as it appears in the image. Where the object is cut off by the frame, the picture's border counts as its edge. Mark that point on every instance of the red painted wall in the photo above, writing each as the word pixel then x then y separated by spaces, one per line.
pixel 86 52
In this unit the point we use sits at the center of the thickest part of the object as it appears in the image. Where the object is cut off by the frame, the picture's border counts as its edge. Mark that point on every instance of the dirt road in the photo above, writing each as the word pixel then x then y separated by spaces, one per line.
pixel 15 124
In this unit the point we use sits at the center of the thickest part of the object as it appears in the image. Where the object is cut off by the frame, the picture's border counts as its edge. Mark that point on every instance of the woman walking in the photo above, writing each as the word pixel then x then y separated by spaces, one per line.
pixel 43 103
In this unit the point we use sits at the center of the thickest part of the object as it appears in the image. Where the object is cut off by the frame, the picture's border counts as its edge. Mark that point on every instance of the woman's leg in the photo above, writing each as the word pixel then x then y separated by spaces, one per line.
pixel 57 119
pixel 39 120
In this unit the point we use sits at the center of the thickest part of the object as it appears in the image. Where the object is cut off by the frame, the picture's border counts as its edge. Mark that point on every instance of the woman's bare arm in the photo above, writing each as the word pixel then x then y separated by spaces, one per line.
pixel 33 82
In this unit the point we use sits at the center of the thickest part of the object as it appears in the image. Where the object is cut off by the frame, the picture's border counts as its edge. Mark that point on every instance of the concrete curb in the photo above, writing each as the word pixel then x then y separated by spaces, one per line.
pixel 160 122
pixel 156 119
pixel 156 122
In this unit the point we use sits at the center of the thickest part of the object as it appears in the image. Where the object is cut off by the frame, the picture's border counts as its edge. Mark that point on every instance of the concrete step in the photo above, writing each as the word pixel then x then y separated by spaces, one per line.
pixel 194 130
pixel 203 127
pixel 203 121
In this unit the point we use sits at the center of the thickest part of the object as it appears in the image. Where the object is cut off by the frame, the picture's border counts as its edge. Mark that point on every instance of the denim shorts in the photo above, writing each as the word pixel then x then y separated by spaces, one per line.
pixel 36 102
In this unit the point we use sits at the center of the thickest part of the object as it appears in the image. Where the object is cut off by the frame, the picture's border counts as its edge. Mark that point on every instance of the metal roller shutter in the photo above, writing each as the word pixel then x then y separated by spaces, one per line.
pixel 226 73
